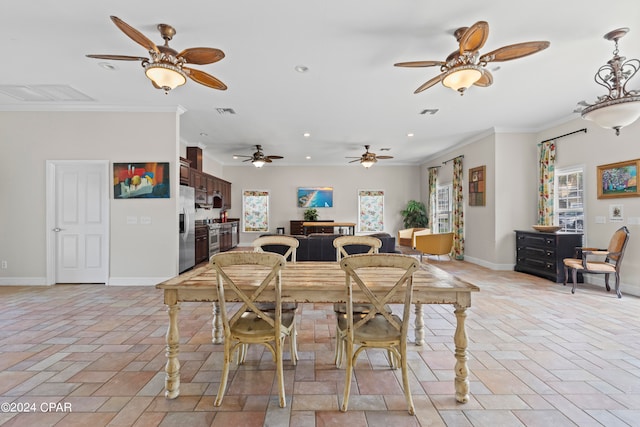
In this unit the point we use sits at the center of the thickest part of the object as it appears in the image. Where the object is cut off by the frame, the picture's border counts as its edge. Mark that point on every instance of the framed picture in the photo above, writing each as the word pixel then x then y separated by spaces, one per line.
pixel 618 179
pixel 370 210
pixel 477 186
pixel 141 180
pixel 315 197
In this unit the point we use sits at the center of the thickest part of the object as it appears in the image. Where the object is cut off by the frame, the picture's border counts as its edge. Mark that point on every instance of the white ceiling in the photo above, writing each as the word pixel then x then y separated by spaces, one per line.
pixel 352 94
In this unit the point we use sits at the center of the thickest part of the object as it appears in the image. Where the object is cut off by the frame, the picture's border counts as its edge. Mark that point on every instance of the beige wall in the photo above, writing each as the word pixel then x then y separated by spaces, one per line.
pixel 400 183
pixel 140 254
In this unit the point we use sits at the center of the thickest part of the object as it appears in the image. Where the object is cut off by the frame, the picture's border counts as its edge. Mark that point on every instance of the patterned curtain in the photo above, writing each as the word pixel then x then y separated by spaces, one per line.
pixel 433 192
pixel 458 210
pixel 546 177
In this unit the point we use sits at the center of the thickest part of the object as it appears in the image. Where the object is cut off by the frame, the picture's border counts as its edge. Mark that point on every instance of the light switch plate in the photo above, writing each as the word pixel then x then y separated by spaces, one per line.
pixel 131 220
pixel 634 220
pixel 145 220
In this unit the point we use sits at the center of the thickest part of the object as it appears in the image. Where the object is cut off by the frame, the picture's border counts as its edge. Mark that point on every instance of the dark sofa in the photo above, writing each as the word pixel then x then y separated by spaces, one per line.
pixel 319 247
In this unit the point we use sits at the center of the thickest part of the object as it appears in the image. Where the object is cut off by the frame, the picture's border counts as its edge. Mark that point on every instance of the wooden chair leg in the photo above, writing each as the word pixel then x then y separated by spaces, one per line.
pixel 574 277
pixel 348 374
pixel 405 381
pixel 228 348
pixel 606 282
pixel 618 286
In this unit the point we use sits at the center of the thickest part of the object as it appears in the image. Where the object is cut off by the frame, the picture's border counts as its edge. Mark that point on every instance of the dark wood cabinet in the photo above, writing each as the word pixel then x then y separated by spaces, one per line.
pixel 202 243
pixel 541 254
pixel 199 183
pixel 296 228
pixel 185 171
pixel 194 154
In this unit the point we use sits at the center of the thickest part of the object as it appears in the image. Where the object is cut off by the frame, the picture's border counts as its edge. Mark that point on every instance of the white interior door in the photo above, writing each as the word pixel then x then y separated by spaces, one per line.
pixel 80 224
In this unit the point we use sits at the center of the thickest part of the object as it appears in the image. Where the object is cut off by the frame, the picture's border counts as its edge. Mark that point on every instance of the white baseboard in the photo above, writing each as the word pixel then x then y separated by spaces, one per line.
pixel 23 281
pixel 489 265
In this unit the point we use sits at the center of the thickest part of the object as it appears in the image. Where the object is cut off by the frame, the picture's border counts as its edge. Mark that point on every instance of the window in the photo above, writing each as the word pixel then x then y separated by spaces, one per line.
pixel 570 199
pixel 443 211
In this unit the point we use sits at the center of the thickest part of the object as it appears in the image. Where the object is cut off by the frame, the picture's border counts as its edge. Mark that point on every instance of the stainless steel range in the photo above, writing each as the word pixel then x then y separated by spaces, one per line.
pixel 214 238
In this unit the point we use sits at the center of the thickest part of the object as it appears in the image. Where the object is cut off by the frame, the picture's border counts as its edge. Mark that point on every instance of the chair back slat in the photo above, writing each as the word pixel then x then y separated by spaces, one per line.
pixel 341 242
pixel 291 243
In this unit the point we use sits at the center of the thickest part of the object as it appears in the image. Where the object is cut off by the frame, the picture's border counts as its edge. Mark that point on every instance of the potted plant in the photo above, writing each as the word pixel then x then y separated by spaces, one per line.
pixel 311 214
pixel 415 215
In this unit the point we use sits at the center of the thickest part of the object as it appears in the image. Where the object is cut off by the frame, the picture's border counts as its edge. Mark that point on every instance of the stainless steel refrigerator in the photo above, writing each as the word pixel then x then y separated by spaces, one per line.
pixel 187 228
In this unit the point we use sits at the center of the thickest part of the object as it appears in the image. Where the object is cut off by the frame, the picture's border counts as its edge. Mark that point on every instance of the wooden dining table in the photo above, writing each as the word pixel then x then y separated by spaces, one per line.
pixel 321 282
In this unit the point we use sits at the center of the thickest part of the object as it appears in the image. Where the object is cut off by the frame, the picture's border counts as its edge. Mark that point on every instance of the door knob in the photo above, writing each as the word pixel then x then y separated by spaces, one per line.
pixel 57 230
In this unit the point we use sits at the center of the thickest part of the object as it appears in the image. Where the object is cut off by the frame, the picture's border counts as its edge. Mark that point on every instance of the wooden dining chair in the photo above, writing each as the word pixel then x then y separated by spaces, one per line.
pixel 378 328
pixel 245 323
pixel 610 265
pixel 345 246
pixel 287 247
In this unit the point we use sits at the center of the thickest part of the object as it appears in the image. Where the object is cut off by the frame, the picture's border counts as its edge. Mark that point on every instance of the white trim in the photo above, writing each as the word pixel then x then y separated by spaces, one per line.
pixel 23 281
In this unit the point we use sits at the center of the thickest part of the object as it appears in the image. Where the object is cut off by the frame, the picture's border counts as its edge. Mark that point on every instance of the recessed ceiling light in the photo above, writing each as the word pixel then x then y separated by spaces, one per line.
pixel 306 134
pixel 235 157
pixel 301 68
pixel 409 135
pixel 308 157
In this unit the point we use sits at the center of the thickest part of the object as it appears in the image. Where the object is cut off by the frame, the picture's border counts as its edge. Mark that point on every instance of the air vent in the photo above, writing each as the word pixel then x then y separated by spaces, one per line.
pixel 225 111
pixel 44 93
pixel 430 111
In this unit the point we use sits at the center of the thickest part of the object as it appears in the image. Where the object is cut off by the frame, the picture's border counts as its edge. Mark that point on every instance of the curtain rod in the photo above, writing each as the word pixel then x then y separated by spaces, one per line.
pixel 447 161
pixel 566 134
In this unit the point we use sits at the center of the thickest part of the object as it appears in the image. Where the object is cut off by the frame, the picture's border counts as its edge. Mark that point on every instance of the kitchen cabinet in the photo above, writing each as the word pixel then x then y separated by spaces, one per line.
pixel 541 254
pixel 185 171
pixel 202 243
pixel 199 183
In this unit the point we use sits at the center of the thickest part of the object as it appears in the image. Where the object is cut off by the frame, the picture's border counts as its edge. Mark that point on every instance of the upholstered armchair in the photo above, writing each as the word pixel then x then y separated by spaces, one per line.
pixel 406 237
pixel 434 244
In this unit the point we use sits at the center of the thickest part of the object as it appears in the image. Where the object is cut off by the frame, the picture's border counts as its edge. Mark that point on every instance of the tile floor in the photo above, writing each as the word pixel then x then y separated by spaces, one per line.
pixel 90 355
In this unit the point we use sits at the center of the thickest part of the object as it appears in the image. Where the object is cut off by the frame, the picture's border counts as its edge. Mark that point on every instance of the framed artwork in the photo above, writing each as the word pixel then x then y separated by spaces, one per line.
pixel 315 197
pixel 141 181
pixel 618 179
pixel 477 186
pixel 370 210
pixel 616 213
pixel 255 211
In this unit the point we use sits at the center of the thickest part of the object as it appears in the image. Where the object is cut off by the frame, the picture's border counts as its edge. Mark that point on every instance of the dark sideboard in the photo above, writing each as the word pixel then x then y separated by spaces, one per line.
pixel 541 254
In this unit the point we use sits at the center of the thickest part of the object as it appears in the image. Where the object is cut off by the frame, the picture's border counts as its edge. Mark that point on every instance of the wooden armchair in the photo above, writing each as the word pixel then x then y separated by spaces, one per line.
pixel 406 237
pixel 434 244
pixel 611 265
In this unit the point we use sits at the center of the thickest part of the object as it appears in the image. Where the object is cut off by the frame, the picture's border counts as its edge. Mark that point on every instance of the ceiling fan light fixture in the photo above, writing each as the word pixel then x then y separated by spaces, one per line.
pixel 164 75
pixel 620 107
pixel 462 77
pixel 258 163
pixel 367 163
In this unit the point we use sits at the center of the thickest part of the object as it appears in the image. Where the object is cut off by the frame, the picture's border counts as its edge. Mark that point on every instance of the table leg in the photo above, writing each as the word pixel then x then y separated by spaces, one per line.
pixel 172 368
pixel 460 340
pixel 216 324
pixel 419 325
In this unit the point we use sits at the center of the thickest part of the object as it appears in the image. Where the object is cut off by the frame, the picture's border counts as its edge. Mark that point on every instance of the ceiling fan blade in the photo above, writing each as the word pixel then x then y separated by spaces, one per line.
pixel 474 37
pixel 249 159
pixel 274 157
pixel 427 85
pixel 201 55
pixel 514 51
pixel 485 80
pixel 419 64
pixel 118 57
pixel 135 35
pixel 356 160
pixel 384 157
pixel 267 160
pixel 204 78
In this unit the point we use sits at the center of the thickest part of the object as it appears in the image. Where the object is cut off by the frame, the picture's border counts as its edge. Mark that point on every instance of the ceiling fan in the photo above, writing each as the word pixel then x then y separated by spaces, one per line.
pixel 258 158
pixel 466 66
pixel 368 158
pixel 166 68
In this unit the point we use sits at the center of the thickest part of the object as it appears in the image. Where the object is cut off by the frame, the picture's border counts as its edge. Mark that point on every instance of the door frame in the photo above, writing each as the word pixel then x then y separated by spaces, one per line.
pixel 50 207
